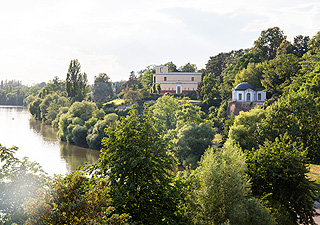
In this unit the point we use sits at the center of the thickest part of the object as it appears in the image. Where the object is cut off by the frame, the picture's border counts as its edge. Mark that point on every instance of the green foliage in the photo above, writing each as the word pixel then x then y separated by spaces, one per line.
pixel 297 115
pixel 252 74
pixel 77 114
pixel 192 141
pixel 96 135
pixel 300 45
pixel 188 68
pixel 34 108
pixel 171 67
pixel 219 191
pixel 138 168
pixel 146 77
pixel 244 130
pixel 165 110
pixel 314 43
pixel 278 73
pixel 76 82
pixel 278 173
pixel 210 90
pixel 74 199
pixel 132 96
pixel 102 88
pixel 79 134
pixel 268 43
pixel 19 181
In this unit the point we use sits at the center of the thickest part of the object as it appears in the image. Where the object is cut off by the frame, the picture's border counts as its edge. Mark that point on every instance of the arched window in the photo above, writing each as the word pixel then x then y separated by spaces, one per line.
pixel 248 96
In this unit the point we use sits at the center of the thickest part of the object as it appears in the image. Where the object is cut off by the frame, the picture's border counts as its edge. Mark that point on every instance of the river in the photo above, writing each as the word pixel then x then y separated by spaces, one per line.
pixel 39 143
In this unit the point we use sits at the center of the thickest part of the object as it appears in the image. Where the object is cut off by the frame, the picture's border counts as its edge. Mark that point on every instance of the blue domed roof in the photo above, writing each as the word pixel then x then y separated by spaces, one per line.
pixel 243 86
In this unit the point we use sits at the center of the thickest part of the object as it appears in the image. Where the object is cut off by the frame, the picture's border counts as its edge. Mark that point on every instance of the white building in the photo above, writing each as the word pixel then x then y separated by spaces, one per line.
pixel 245 92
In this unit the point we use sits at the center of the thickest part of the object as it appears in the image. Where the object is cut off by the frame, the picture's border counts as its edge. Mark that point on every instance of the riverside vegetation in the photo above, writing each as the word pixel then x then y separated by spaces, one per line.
pixel 256 173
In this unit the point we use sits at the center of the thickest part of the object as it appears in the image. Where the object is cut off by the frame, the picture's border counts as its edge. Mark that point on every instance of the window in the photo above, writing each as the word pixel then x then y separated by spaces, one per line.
pixel 161 69
pixel 154 79
pixel 165 78
pixel 240 97
pixel 248 97
pixel 192 78
pixel 259 96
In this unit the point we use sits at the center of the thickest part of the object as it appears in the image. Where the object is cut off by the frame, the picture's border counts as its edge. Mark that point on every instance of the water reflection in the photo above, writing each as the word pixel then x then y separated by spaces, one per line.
pixel 77 156
pixel 39 142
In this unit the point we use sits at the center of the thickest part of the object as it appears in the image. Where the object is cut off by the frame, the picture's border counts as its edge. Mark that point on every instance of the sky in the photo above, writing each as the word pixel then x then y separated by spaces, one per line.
pixel 39 38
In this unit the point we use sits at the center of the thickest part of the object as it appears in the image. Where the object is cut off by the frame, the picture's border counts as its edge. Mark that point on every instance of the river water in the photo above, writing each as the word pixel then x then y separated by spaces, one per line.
pixel 39 143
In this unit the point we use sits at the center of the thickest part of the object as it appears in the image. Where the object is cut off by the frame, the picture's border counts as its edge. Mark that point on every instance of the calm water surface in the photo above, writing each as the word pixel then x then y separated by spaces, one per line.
pixel 39 142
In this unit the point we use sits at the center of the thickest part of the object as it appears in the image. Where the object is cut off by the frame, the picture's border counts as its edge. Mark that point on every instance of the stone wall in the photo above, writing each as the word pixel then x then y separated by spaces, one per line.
pixel 236 107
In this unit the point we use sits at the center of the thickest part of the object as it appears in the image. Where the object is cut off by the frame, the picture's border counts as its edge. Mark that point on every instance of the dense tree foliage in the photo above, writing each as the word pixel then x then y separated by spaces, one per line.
pixel 76 82
pixel 102 88
pixel 19 181
pixel 218 191
pixel 138 167
pixel 268 43
pixel 74 199
pixel 192 141
pixel 278 172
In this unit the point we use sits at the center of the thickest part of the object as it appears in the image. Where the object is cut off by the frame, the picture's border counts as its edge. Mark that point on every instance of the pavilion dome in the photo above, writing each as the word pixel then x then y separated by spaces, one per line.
pixel 244 86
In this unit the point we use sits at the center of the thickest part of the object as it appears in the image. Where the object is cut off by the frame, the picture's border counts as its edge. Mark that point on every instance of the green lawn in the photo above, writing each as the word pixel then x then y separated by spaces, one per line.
pixel 314 173
pixel 117 102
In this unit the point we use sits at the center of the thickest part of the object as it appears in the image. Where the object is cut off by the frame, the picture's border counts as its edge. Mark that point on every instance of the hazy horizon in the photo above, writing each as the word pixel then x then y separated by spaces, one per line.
pixel 40 38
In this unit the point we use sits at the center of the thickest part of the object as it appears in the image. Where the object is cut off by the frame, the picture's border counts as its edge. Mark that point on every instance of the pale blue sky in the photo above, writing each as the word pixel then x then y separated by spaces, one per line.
pixel 40 37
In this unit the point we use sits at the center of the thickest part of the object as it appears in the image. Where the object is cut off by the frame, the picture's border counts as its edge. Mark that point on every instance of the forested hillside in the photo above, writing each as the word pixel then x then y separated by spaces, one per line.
pixel 172 161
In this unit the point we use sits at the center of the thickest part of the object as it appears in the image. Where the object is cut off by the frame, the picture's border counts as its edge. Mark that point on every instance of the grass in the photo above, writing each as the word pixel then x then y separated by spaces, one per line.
pixel 314 173
pixel 117 102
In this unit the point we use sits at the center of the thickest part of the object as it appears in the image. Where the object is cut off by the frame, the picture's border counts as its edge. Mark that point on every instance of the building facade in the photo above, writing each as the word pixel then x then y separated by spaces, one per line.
pixel 245 92
pixel 175 82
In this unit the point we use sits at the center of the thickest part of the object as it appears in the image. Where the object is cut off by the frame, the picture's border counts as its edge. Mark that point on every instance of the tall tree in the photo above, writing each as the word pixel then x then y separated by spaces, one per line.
pixel 188 68
pixel 210 90
pixel 219 191
pixel 268 43
pixel 300 44
pixel 135 160
pixel 133 81
pixel 102 88
pixel 171 67
pixel 279 72
pixel 76 82
pixel 278 174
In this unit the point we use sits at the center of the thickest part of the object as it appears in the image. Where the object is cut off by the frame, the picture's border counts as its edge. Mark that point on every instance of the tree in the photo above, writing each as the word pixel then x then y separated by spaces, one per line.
pixel 74 199
pixel 244 130
pixel 278 174
pixel 285 48
pixel 210 90
pixel 279 72
pixel 171 67
pixel 219 191
pixel 188 68
pixel 76 82
pixel 19 181
pixel 300 45
pixel 133 81
pixel 252 74
pixel 146 77
pixel 192 141
pixel 102 88
pixel 268 43
pixel 314 43
pixel 132 96
pixel 136 162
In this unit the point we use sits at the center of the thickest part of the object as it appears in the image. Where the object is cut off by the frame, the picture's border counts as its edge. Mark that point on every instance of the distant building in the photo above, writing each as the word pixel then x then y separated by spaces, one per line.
pixel 245 92
pixel 245 97
pixel 175 82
